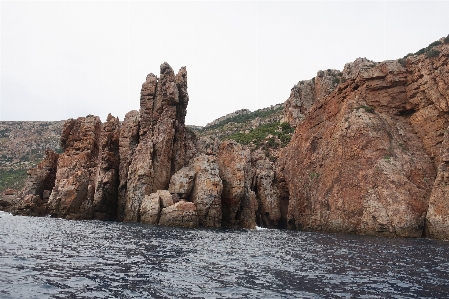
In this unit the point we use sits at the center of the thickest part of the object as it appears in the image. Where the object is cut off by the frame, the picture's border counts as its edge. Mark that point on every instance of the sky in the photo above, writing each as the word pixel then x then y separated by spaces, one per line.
pixel 62 59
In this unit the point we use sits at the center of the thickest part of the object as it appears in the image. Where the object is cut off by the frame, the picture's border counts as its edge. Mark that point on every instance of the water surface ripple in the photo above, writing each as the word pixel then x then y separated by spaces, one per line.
pixel 56 258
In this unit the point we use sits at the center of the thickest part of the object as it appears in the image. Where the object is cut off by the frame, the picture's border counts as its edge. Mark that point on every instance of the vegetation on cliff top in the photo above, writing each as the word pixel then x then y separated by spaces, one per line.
pixel 429 50
pixel 280 135
pixel 12 178
pixel 243 118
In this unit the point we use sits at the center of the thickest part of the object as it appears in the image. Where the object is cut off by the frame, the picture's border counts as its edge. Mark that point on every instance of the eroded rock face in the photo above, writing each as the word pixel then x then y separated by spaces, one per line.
pixel 42 178
pixel 107 178
pixel 164 144
pixel 206 193
pixel 150 209
pixel 129 139
pixel 267 194
pixel 438 213
pixel 74 189
pixel 207 145
pixel 181 214
pixel 234 166
pixel 302 96
pixel 428 95
pixel 348 158
pixel 33 198
pixel 305 93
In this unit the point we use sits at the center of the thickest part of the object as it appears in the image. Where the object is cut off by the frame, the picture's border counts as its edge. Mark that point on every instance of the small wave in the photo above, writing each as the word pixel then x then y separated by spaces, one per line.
pixel 261 228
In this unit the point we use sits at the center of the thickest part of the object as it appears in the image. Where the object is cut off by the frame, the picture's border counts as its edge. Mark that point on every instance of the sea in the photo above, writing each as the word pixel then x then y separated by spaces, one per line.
pixel 56 258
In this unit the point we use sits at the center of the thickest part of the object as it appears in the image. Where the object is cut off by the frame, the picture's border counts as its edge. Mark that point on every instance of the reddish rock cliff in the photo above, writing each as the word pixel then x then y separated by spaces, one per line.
pixel 40 181
pixel 237 199
pixel 438 213
pixel 107 178
pixel 361 161
pixel 73 194
pixel 305 93
pixel 163 146
pixel 368 145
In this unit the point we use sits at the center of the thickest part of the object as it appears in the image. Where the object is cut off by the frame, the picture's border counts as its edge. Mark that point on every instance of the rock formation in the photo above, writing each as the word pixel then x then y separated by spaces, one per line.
pixel 38 186
pixel 306 92
pixel 267 194
pixel 107 177
pixel 360 161
pixel 73 194
pixel 369 155
pixel 234 165
pixel 438 213
pixel 129 139
pixel 163 140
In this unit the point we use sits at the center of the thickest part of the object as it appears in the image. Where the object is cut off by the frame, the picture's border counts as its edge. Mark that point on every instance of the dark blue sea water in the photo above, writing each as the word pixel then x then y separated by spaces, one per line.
pixel 55 258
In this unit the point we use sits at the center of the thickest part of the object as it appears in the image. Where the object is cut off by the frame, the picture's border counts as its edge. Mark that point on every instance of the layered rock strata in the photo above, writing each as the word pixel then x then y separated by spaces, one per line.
pixel 362 159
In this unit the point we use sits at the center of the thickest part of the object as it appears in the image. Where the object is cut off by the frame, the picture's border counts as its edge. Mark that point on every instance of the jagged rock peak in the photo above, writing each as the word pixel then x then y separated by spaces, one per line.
pixel 163 144
pixel 352 69
pixel 165 67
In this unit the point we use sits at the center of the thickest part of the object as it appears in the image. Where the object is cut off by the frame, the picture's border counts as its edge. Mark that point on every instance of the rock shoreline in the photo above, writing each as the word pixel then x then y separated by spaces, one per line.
pixel 369 155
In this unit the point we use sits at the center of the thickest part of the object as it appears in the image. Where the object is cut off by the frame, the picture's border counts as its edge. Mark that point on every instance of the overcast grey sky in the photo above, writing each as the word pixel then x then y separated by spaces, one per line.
pixel 70 59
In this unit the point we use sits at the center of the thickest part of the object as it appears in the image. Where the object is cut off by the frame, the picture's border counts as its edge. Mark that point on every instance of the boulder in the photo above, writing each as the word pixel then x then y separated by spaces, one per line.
pixel 181 214
pixel 150 209
pixel 181 183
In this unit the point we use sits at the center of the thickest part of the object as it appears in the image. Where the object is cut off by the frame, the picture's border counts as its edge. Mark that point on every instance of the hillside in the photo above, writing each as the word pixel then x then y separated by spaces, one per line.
pixel 22 146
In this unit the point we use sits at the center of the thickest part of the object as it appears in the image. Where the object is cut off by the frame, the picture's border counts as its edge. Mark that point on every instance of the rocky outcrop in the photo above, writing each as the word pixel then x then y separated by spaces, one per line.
pixel 305 93
pixel 107 178
pixel 368 145
pixel 359 162
pixel 181 214
pixel 206 192
pixel 164 143
pixel 352 69
pixel 129 139
pixel 73 194
pixel 41 179
pixel 437 218
pixel 33 198
pixel 235 171
pixel 192 199
pixel 267 194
